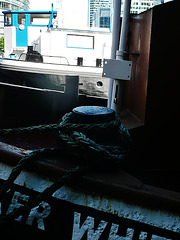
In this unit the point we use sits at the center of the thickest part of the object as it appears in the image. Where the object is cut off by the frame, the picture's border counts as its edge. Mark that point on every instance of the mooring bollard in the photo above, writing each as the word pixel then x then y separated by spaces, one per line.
pixel 100 124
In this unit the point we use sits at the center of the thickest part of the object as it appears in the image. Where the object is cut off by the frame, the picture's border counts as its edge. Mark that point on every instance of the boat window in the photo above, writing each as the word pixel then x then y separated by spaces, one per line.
pixel 21 18
pixel 40 19
pixel 8 19
pixel 80 41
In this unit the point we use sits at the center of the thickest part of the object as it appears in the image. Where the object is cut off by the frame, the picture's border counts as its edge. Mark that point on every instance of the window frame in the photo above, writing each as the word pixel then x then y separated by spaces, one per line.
pixel 5 19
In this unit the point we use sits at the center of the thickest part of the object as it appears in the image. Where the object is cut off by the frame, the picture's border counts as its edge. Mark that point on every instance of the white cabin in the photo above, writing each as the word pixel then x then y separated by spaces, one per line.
pixel 57 45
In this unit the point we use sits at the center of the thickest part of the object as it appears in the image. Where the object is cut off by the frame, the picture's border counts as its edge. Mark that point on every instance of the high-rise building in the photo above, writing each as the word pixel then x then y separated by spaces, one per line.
pixel 157 2
pixel 94 5
pixel 138 6
pixel 102 18
pixel 14 5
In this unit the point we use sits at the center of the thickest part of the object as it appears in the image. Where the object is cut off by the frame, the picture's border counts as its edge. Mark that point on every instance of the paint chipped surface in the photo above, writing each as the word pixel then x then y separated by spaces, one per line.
pixel 157 218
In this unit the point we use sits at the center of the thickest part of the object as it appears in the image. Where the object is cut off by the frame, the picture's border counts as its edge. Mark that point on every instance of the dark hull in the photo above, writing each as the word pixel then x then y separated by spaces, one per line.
pixel 35 96
pixel 91 86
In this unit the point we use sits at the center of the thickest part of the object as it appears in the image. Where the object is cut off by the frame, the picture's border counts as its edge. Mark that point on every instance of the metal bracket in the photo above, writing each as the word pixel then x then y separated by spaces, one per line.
pixel 117 69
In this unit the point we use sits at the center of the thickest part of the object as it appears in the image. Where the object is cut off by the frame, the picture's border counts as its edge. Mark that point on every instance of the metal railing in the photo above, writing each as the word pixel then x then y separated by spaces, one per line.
pixel 22 57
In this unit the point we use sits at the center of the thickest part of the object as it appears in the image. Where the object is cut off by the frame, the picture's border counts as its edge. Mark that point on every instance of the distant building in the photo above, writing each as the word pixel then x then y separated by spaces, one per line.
pixel 102 18
pixel 94 5
pixel 14 5
pixel 157 2
pixel 138 6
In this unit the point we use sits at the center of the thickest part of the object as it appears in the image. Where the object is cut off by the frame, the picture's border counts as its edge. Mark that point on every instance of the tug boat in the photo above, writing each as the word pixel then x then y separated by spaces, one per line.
pixel 37 48
pixel 138 199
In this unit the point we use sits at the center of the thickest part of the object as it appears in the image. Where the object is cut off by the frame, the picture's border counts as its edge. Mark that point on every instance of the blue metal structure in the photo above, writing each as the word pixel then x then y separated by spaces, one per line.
pixel 23 19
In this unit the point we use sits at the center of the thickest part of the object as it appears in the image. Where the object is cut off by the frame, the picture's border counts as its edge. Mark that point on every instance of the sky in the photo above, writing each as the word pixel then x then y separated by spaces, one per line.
pixel 41 4
pixel 80 15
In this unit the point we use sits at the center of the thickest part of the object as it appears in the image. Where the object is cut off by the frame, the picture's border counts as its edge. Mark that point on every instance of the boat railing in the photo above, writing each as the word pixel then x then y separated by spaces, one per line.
pixel 56 57
pixel 46 58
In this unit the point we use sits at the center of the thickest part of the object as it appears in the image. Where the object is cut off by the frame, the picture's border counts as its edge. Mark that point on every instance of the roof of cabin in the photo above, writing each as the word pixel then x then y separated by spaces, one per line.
pixel 34 12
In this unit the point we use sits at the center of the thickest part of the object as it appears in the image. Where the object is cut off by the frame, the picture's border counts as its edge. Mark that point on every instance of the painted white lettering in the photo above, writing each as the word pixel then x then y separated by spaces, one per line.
pixel 18 200
pixel 88 226
pixel 155 237
pixel 113 233
pixel 143 236
pixel 40 212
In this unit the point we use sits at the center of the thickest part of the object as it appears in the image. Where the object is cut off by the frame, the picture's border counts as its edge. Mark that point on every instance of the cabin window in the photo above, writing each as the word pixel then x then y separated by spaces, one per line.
pixel 40 19
pixel 8 19
pixel 80 41
pixel 21 18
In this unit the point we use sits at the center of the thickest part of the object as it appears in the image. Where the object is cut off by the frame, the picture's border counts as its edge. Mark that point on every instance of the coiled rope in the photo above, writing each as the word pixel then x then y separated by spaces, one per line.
pixel 85 152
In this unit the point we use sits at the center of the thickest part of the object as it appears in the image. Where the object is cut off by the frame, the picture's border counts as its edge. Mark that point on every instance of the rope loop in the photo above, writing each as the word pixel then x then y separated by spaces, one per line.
pixel 74 139
pixel 65 123
pixel 87 153
pixel 68 124
pixel 71 135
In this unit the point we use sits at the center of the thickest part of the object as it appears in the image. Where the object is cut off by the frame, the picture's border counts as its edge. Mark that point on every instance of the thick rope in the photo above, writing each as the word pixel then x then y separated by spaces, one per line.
pixel 64 124
pixel 91 151
pixel 25 161
pixel 85 151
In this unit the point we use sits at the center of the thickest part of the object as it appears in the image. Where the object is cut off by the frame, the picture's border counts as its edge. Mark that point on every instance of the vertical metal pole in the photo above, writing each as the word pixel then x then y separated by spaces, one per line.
pixel 124 30
pixel 115 40
pixel 117 91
